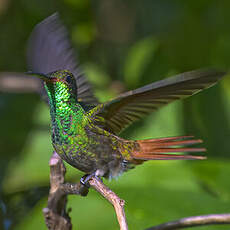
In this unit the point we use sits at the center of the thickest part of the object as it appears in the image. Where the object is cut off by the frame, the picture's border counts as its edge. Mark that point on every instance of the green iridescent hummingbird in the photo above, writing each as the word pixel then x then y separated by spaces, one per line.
pixel 85 132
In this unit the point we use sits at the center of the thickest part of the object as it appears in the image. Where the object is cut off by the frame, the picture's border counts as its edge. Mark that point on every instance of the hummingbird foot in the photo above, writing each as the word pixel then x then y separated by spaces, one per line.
pixel 86 178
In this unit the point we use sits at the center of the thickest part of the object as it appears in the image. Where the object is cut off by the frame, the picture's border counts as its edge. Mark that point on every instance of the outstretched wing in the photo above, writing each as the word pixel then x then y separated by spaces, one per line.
pixel 115 115
pixel 50 50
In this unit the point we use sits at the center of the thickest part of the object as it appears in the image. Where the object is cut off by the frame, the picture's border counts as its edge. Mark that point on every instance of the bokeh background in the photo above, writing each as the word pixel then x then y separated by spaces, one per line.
pixel 121 45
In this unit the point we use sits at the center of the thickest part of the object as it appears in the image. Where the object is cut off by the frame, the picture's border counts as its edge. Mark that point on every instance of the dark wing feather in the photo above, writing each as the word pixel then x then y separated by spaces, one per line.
pixel 134 104
pixel 50 50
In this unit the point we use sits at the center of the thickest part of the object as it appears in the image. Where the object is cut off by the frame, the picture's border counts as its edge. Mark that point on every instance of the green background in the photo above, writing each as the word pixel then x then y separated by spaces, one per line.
pixel 121 45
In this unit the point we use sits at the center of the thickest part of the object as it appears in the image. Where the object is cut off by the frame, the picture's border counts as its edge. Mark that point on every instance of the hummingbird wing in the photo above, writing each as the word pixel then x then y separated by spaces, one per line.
pixel 115 115
pixel 50 50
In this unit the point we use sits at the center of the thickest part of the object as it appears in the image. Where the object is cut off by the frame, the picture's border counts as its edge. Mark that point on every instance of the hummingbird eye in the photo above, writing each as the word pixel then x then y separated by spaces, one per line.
pixel 68 79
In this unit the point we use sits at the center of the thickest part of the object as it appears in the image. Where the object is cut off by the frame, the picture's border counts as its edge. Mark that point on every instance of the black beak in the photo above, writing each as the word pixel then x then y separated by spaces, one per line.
pixel 42 76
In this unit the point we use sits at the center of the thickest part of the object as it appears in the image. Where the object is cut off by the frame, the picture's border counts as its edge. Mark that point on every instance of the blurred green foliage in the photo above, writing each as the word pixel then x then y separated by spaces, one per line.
pixel 121 45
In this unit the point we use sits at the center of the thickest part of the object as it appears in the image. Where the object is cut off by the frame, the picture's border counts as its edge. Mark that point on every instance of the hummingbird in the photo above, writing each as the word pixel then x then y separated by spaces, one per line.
pixel 85 133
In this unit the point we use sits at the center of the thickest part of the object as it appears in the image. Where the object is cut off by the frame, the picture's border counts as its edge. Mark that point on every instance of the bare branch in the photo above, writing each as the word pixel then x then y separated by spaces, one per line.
pixel 117 203
pixel 194 221
pixel 55 214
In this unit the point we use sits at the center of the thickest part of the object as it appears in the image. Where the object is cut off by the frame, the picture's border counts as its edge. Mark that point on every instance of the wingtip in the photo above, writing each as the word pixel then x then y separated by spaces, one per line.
pixel 220 74
pixel 216 73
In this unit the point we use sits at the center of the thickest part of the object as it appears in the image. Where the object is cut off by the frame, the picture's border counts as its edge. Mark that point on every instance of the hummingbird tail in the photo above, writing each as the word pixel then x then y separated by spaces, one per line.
pixel 160 149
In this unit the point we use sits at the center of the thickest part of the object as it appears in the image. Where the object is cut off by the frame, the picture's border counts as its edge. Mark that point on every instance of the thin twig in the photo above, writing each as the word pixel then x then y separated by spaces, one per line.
pixel 117 203
pixel 194 221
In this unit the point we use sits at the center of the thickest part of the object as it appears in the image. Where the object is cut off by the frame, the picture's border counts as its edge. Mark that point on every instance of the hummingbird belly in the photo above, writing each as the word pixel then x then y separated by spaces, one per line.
pixel 94 153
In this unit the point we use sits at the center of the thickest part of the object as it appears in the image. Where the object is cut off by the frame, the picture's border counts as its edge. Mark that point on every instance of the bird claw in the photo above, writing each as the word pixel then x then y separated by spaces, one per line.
pixel 86 178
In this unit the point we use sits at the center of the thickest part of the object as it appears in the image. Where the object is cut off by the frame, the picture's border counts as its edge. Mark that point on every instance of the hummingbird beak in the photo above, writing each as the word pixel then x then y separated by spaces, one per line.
pixel 43 77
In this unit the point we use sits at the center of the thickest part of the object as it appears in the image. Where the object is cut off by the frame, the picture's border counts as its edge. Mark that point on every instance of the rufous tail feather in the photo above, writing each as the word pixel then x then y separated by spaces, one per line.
pixel 159 149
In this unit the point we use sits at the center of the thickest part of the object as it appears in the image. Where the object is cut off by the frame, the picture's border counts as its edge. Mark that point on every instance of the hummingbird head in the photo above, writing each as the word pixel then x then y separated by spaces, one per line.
pixel 60 85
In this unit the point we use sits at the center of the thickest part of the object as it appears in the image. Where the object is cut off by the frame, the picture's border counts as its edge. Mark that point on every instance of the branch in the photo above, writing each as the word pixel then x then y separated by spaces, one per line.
pixel 117 203
pixel 194 221
pixel 55 213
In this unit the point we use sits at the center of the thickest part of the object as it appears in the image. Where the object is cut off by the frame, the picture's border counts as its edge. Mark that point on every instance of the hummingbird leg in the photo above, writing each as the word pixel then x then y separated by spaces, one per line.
pixel 85 179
